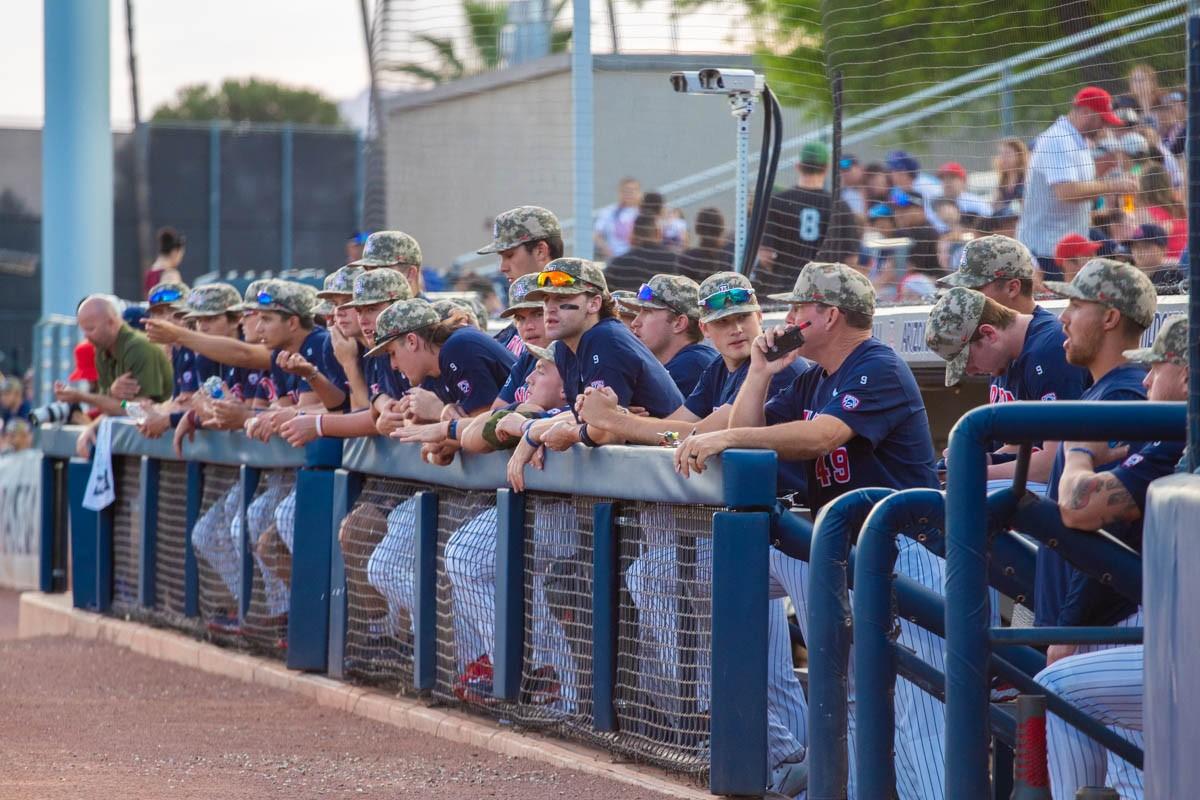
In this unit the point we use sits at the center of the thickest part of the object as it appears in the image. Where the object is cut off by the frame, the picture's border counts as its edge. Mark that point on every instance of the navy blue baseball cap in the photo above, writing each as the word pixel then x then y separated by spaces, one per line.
pixel 134 317
pixel 1155 234
pixel 900 161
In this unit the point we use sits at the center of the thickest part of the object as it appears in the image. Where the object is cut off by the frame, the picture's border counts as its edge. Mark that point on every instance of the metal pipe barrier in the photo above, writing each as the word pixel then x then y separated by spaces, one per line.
pixel 633 616
pixel 969 635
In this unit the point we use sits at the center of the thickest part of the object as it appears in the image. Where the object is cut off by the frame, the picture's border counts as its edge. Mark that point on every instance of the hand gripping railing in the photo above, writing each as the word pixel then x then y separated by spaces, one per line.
pixel 969 636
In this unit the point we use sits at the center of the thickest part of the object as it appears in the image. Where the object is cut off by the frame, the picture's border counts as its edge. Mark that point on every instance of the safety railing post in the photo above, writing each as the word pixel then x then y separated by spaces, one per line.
pixel 425 613
pixel 606 580
pixel 85 527
pixel 510 594
pixel 830 629
pixel 739 624
pixel 346 488
pixel 191 569
pixel 52 549
pixel 248 478
pixel 147 509
pixel 308 617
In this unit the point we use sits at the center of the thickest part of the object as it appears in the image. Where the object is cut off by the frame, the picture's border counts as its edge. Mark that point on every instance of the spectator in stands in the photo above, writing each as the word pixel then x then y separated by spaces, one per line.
pixel 1072 252
pixel 803 222
pixel 672 227
pixel 354 246
pixel 904 172
pixel 954 235
pixel 18 435
pixel 1149 248
pixel 1010 165
pixel 165 268
pixel 921 266
pixel 1003 225
pixel 1061 183
pixel 1159 203
pixel 646 258
pixel 13 404
pixel 1172 122
pixel 1111 228
pixel 128 366
pixel 668 323
pixel 613 232
pixel 853 180
pixel 1144 91
pixel 710 254
pixel 954 183
pixel 875 184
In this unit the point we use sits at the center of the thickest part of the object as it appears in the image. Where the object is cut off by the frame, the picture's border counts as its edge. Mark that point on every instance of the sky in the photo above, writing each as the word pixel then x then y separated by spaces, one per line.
pixel 316 44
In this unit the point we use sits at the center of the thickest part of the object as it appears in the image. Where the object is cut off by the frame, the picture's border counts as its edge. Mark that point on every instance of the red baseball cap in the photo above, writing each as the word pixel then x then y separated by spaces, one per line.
pixel 85 363
pixel 953 168
pixel 1096 99
pixel 1074 245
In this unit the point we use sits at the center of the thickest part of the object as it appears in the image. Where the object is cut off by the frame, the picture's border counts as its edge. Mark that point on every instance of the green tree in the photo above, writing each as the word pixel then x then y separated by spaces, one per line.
pixel 485 21
pixel 250 100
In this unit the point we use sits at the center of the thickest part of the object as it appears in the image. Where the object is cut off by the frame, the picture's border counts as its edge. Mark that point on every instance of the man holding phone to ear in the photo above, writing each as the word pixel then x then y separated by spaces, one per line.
pixel 857 419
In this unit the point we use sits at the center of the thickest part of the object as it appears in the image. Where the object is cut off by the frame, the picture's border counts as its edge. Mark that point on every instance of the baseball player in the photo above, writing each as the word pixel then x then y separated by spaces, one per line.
pixel 668 323
pixel 528 326
pixel 1108 683
pixel 526 238
pixel 857 419
pixel 1022 351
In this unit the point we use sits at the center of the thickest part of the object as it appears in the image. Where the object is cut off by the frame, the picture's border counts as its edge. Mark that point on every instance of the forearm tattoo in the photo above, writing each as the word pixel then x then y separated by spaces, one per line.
pixel 1106 490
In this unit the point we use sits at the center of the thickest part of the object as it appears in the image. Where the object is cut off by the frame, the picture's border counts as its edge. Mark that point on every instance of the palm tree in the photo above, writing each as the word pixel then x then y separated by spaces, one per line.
pixel 485 21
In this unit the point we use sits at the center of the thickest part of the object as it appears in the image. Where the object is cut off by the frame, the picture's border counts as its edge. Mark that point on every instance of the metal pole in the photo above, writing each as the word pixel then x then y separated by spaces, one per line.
pixel 742 106
pixel 835 190
pixel 77 156
pixel 1193 173
pixel 214 197
pixel 141 161
pixel 581 126
pixel 286 142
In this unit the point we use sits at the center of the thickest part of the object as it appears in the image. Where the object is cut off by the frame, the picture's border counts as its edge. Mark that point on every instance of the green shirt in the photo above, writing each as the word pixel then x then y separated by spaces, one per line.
pixel 137 355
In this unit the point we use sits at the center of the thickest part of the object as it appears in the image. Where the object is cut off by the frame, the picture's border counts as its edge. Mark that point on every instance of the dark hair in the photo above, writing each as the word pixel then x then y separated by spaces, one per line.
pixel 854 319
pixel 306 320
pixel 652 204
pixel 809 169
pixel 1131 328
pixel 437 333
pixel 694 333
pixel 553 243
pixel 996 315
pixel 170 240
pixel 645 227
pixel 608 307
pixel 710 227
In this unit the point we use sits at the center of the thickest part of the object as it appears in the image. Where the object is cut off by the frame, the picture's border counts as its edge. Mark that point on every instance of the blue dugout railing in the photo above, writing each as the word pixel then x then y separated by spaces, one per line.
pixel 970 638
pixel 146 538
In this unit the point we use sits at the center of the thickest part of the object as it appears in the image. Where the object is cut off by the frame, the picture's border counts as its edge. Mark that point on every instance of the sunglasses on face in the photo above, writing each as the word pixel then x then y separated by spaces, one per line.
pixel 165 296
pixel 726 298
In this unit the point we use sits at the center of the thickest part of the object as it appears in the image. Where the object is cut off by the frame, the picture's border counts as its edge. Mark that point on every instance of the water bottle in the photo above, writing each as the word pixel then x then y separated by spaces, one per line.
pixel 134 411
pixel 213 388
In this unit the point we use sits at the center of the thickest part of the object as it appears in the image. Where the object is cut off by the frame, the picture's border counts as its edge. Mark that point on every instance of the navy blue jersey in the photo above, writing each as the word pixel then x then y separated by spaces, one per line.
pixel 381 379
pixel 314 348
pixel 241 382
pixel 1054 574
pixel 511 340
pixel 719 387
pixel 610 355
pixel 687 365
pixel 183 368
pixel 473 367
pixel 1041 371
pixel 514 389
pixel 875 394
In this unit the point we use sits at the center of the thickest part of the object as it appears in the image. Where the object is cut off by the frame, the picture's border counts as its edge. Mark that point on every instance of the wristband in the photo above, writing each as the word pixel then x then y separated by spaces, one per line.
pixel 320 427
pixel 1001 458
pixel 452 429
pixel 1090 454
pixel 529 439
pixel 583 436
pixel 177 416
pixel 525 426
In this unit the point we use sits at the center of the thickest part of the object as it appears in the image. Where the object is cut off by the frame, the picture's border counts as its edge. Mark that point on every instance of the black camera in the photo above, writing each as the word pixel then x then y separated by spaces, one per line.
pixel 55 413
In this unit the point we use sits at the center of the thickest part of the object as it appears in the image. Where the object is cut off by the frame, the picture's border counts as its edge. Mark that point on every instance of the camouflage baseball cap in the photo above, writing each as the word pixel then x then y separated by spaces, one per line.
pixel 1114 284
pixel 718 283
pixel 569 276
pixel 834 285
pixel 211 300
pixel 541 353
pixel 379 286
pixel 287 297
pixel 169 293
pixel 249 297
pixel 339 283
pixel 672 292
pixel 401 317
pixel 985 259
pixel 518 291
pixel 520 225
pixel 951 324
pixel 448 305
pixel 389 249
pixel 1170 345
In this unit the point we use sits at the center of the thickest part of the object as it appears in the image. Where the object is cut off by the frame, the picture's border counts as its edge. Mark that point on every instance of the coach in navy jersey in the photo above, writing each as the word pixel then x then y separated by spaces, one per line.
pixel 1022 352
pixel 526 238
pixel 597 351
pixel 1111 305
pixel 668 323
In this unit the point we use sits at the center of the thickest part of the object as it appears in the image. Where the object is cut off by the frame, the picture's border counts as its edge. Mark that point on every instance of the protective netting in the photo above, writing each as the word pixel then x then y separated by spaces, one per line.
pixel 665 634
pixel 940 107
pixel 170 546
pixel 126 534
pixel 217 543
pixel 378 542
pixel 270 524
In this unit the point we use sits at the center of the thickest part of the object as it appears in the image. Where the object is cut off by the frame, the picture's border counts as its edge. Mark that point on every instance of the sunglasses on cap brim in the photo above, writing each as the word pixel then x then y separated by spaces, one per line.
pixel 647 295
pixel 165 296
pixel 726 298
pixel 558 278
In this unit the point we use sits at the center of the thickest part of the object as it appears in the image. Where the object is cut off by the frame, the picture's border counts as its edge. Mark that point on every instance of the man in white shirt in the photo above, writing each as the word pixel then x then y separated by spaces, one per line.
pixel 1061 185
pixel 614 224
